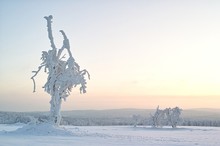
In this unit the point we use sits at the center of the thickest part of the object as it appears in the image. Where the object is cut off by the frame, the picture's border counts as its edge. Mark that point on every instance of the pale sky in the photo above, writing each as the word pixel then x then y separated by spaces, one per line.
pixel 140 53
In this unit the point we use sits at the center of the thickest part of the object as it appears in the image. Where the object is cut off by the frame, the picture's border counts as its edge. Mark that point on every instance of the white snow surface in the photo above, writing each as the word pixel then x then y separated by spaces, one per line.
pixel 47 135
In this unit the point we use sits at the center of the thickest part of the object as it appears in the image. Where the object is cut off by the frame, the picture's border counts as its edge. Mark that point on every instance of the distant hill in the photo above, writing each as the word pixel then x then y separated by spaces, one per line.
pixel 114 113
pixel 193 114
pixel 201 114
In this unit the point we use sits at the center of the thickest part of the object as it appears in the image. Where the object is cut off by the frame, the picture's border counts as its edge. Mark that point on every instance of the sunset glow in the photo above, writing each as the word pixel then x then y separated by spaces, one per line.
pixel 140 54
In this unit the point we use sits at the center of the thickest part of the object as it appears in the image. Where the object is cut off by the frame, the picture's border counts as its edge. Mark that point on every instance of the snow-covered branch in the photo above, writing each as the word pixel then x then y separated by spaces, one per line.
pixel 49 29
pixel 35 74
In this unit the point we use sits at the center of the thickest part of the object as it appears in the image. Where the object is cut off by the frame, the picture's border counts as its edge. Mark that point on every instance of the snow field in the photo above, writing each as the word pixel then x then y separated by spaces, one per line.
pixel 110 136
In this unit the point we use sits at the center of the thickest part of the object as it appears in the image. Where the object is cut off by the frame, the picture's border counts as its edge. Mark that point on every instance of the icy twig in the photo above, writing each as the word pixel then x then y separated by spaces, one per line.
pixel 36 72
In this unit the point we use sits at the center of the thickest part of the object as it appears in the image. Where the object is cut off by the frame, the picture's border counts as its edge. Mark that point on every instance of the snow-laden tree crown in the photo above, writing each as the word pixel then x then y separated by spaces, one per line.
pixel 63 73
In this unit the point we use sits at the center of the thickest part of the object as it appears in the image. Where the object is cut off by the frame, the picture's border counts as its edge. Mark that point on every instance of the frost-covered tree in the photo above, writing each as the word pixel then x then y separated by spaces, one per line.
pixel 167 116
pixel 173 116
pixel 63 73
pixel 158 118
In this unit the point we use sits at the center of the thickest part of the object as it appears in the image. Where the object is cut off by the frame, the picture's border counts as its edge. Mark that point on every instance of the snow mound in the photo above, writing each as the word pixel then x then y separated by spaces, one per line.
pixel 43 129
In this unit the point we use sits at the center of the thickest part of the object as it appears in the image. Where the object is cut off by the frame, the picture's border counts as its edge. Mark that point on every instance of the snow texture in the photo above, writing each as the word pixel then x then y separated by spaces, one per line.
pixel 111 136
pixel 42 129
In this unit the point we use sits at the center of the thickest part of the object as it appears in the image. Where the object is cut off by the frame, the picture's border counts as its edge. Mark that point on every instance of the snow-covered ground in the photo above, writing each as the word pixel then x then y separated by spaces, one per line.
pixel 110 136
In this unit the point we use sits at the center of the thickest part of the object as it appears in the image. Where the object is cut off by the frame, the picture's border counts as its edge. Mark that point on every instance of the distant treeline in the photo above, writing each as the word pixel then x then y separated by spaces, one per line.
pixel 88 120
pixel 212 123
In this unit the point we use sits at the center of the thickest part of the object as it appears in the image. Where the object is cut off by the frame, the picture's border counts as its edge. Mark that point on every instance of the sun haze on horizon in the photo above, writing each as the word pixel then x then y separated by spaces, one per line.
pixel 140 54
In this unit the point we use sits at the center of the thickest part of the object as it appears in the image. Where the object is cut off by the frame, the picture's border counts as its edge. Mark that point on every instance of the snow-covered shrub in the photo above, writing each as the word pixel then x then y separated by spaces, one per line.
pixel 136 119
